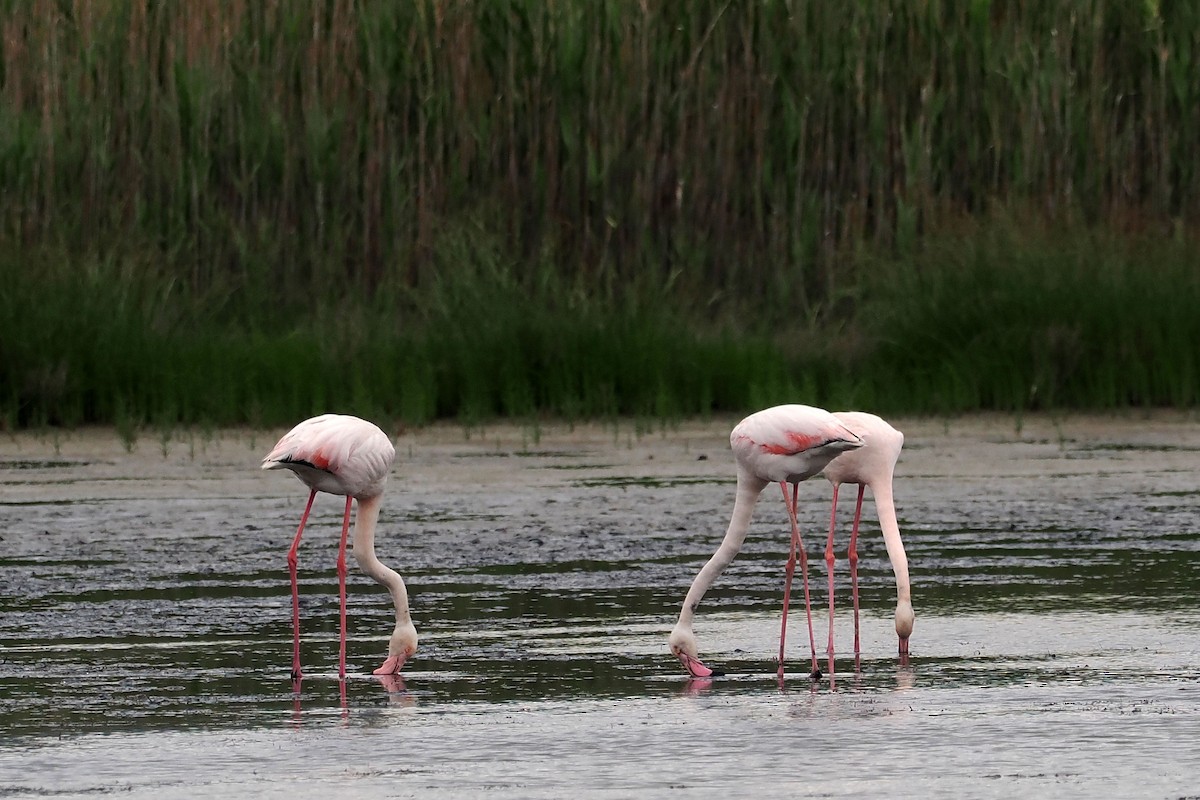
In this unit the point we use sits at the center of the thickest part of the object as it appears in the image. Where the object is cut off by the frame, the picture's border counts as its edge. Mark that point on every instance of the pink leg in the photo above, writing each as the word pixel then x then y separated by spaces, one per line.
pixel 341 571
pixel 789 570
pixel 293 563
pixel 853 557
pixel 797 548
pixel 829 562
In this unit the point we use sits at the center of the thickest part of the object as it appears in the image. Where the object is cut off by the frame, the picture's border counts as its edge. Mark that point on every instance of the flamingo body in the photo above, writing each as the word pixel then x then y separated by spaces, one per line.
pixel 344 455
pixel 337 454
pixel 785 445
pixel 789 444
pixel 872 465
pixel 875 460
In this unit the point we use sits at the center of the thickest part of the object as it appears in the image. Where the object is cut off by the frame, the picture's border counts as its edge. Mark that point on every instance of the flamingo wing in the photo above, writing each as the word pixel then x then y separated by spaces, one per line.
pixel 790 442
pixel 336 449
pixel 876 459
pixel 791 429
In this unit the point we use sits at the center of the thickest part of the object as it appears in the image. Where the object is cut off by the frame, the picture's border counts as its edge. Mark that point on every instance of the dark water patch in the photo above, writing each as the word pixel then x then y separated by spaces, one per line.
pixel 178 589
pixel 64 482
pixel 1126 447
pixel 580 467
pixel 444 516
pixel 36 503
pixel 623 482
pixel 523 454
pixel 586 566
pixel 28 464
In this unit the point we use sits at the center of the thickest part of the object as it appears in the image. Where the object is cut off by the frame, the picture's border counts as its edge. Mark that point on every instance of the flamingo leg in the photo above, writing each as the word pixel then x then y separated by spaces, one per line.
pixel 293 564
pixel 797 548
pixel 789 570
pixel 853 558
pixel 341 571
pixel 829 562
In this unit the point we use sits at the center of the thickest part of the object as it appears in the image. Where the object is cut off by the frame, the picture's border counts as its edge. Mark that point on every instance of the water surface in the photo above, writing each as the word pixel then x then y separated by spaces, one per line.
pixel 145 623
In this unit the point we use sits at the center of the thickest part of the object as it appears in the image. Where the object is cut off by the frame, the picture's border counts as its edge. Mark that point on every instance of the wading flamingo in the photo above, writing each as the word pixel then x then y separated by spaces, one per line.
pixel 784 445
pixel 871 465
pixel 347 456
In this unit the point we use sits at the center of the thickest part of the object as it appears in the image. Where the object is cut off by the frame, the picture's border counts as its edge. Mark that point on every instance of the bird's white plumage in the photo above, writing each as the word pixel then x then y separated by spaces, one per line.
pixel 872 462
pixel 873 466
pixel 345 455
pixel 786 445
pixel 336 453
pixel 790 443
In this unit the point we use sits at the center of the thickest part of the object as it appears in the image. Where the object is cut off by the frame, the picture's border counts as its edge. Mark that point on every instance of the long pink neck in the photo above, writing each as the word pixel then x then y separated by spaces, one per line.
pixel 364 554
pixel 886 510
pixel 749 488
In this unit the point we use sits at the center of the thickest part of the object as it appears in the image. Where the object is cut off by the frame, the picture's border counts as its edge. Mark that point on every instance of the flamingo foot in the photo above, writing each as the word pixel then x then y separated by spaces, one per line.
pixel 695 667
pixel 391 666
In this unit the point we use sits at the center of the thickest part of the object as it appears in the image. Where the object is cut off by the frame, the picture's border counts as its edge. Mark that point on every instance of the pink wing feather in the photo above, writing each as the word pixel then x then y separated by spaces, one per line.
pixel 790 442
pixel 336 453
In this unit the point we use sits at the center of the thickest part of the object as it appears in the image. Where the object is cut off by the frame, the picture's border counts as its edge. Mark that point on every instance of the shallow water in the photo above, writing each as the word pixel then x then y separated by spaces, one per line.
pixel 145 623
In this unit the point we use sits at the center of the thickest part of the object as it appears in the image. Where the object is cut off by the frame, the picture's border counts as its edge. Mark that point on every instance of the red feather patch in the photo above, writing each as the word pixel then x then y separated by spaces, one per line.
pixel 798 443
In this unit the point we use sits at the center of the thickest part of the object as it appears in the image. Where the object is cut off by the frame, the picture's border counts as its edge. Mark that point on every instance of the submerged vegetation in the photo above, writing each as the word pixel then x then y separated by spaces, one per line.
pixel 224 211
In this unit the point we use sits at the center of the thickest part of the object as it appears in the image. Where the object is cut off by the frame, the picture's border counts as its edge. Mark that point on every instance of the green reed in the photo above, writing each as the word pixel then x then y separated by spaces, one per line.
pixel 474 347
pixel 234 211
pixel 1006 318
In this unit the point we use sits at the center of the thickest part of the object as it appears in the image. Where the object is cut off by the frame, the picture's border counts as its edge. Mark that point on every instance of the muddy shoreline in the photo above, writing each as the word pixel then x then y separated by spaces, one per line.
pixel 225 462
pixel 145 626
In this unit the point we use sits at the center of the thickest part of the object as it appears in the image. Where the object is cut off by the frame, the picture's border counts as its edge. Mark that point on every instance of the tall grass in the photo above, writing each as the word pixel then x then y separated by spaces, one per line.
pixel 991 318
pixel 110 349
pixel 1003 318
pixel 225 210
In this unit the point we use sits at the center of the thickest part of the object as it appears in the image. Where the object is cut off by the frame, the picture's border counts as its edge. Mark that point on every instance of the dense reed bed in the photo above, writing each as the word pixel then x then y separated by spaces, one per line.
pixel 228 211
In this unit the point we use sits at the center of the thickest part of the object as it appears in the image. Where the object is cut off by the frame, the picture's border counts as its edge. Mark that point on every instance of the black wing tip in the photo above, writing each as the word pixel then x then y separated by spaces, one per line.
pixel 288 461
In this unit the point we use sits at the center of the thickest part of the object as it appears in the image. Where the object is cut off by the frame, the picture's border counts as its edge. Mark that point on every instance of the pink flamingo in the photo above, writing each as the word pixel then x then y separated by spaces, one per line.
pixel 871 465
pixel 347 456
pixel 783 444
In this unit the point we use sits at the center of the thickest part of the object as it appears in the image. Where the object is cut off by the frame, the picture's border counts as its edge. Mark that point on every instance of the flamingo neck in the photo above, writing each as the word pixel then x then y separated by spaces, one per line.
pixel 886 509
pixel 364 553
pixel 749 487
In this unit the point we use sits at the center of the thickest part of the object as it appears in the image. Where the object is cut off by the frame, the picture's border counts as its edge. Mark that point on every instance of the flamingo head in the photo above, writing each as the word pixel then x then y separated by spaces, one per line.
pixel 683 647
pixel 904 623
pixel 401 647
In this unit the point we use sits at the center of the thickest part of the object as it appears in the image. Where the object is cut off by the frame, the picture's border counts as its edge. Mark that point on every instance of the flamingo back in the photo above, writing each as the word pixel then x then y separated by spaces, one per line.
pixel 876 460
pixel 336 453
pixel 790 443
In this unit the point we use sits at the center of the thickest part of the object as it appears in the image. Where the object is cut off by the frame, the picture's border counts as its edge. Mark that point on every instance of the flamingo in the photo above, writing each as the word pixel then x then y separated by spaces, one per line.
pixel 871 466
pixel 348 456
pixel 784 444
